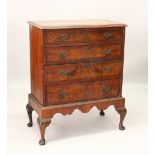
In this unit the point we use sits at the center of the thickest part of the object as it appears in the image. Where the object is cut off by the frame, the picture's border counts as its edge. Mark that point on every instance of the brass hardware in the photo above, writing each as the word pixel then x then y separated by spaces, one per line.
pixel 61 95
pixel 106 89
pixel 64 37
pixel 107 51
pixel 65 73
pixel 63 54
pixel 107 35
pixel 106 69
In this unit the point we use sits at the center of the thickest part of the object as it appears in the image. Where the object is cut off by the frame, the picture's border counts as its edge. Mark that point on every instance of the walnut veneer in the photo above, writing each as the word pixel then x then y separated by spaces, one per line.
pixel 75 65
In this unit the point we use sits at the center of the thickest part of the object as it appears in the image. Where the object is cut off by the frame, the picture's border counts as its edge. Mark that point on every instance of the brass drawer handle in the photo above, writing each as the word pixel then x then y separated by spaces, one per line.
pixel 68 74
pixel 61 95
pixel 107 51
pixel 107 35
pixel 106 90
pixel 63 54
pixel 106 69
pixel 64 37
pixel 65 73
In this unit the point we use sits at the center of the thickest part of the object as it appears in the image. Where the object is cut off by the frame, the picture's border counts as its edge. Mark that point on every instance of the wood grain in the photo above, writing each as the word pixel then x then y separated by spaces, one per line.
pixel 68 93
pixel 76 36
pixel 36 60
pixel 82 71
pixel 75 65
pixel 71 54
pixel 86 106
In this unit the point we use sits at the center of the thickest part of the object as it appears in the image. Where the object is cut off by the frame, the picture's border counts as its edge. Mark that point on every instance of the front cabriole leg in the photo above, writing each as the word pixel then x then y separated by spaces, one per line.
pixel 122 112
pixel 43 123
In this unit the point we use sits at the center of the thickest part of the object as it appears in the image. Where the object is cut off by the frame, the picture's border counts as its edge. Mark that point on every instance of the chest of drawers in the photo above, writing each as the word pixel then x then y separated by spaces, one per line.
pixel 75 65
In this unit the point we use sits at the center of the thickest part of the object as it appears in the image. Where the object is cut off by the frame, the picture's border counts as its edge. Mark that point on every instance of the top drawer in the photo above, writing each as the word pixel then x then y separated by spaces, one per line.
pixel 82 36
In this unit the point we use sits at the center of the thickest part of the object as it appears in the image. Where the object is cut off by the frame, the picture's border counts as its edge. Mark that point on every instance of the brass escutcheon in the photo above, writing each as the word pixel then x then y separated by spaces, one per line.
pixel 64 37
pixel 107 35
pixel 107 51
pixel 106 89
pixel 106 69
pixel 61 95
pixel 63 54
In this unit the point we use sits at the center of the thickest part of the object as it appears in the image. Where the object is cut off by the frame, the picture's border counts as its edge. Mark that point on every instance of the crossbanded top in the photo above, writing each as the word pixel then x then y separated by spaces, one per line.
pixel 60 24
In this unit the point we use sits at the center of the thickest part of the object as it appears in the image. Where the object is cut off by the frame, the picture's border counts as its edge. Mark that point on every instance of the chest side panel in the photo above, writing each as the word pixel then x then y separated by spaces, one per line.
pixel 122 67
pixel 36 60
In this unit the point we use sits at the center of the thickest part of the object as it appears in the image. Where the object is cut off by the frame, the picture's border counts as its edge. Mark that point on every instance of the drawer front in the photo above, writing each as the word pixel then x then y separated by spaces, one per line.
pixel 61 94
pixel 76 36
pixel 56 55
pixel 82 71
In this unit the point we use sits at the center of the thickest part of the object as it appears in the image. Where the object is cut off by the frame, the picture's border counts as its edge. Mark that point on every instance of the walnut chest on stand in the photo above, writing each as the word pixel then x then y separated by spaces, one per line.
pixel 75 65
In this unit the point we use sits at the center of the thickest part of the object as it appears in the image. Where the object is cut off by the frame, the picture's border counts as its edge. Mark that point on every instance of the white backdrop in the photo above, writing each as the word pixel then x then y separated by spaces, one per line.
pixel 131 12
pixel 79 133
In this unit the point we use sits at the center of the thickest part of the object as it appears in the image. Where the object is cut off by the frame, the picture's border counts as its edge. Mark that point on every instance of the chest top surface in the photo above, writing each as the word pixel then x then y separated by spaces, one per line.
pixel 59 24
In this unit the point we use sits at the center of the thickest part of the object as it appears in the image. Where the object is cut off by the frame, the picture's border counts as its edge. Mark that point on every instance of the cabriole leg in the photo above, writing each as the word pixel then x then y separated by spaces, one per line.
pixel 122 112
pixel 43 123
pixel 29 112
